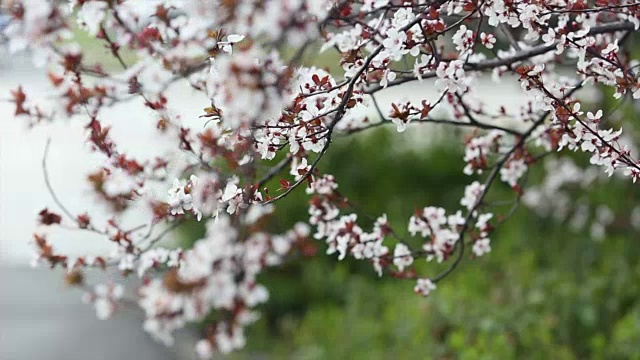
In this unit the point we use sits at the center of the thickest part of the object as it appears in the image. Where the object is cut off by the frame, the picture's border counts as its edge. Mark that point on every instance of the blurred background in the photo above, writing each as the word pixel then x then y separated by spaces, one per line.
pixel 40 317
pixel 549 288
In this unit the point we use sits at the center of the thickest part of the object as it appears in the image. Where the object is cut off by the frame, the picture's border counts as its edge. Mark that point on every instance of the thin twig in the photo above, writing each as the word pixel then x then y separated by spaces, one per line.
pixel 47 182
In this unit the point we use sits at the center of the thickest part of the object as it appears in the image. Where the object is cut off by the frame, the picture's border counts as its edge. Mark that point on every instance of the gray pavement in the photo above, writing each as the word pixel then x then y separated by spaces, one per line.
pixel 42 319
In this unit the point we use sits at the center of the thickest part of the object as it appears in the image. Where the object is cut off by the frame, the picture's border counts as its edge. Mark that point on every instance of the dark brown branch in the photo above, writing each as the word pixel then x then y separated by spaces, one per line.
pixel 274 171
pixel 487 184
pixel 520 56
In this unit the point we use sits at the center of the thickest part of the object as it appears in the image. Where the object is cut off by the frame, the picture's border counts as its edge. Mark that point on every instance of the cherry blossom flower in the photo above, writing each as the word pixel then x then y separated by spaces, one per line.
pixel 472 194
pixel 402 256
pixel 180 198
pixel 424 287
pixel 91 15
pixel 452 77
pixel 463 39
pixel 104 298
pixel 513 171
pixel 481 247
pixel 488 40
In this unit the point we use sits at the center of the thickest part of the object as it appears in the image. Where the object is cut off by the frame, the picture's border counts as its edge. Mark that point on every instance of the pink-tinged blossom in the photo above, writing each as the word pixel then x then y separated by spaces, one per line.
pixel 345 41
pixel 157 257
pixel 430 220
pixel 488 40
pixel 456 219
pixel 402 256
pixel 481 247
pixel 463 39
pixel 483 221
pixel 424 287
pixel 180 197
pixel 104 298
pixel 227 46
pixel 513 171
pixel 204 349
pixel 91 15
pixel 477 149
pixel 472 194
pixel 394 44
pixel 452 77
pixel 419 66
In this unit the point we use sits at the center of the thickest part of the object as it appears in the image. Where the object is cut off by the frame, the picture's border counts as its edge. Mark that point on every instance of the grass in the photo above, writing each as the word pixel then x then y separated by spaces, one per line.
pixel 96 51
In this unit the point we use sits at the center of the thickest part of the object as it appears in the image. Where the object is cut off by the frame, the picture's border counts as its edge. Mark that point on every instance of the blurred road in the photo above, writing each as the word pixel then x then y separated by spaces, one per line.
pixel 40 319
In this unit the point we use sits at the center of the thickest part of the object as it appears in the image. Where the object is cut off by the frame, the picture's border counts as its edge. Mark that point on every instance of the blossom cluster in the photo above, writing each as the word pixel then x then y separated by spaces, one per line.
pixel 218 273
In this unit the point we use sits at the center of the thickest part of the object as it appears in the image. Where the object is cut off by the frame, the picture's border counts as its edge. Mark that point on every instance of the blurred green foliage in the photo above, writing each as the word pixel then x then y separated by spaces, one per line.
pixel 543 292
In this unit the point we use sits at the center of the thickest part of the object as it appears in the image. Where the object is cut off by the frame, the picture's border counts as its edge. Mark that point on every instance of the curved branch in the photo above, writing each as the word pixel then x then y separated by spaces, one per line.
pixel 47 182
pixel 274 171
pixel 487 184
pixel 519 56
